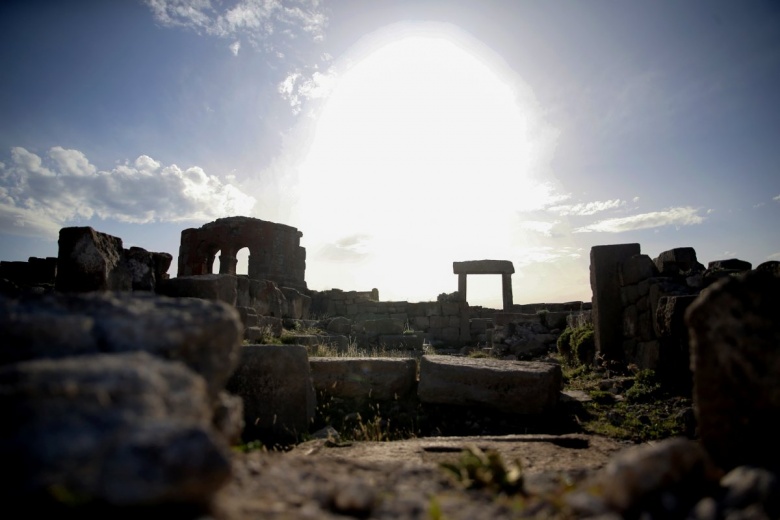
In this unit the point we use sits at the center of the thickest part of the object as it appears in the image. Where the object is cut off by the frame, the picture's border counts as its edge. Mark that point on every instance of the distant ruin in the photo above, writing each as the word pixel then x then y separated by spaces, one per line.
pixel 502 267
pixel 275 251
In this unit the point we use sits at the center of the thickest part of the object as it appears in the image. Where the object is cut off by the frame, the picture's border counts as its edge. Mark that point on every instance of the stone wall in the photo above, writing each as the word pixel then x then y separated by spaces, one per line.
pixel 275 252
pixel 647 317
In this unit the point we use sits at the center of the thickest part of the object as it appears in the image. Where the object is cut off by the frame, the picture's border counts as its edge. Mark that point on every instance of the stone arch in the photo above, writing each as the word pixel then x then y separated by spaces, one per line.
pixel 274 250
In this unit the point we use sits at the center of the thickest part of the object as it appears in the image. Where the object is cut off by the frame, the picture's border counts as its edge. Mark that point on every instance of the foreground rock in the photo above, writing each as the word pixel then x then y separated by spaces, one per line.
pixel 516 387
pixel 202 334
pixel 119 429
pixel 735 357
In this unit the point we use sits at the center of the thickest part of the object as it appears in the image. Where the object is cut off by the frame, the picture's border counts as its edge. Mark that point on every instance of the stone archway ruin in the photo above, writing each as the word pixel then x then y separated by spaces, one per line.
pixel 502 267
pixel 275 252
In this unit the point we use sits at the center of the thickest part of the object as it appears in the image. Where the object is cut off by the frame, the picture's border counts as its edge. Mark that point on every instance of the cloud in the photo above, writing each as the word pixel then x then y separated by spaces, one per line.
pixel 684 216
pixel 40 195
pixel 350 248
pixel 235 47
pixel 539 226
pixel 588 208
pixel 298 87
pixel 545 254
pixel 256 21
pixel 776 198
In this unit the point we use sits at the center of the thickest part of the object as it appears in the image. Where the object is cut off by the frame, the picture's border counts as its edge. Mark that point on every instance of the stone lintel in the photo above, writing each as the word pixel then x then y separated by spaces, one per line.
pixel 483 267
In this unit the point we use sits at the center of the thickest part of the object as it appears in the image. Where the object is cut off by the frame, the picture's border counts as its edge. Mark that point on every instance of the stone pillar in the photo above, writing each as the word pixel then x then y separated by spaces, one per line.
pixel 607 306
pixel 462 286
pixel 506 290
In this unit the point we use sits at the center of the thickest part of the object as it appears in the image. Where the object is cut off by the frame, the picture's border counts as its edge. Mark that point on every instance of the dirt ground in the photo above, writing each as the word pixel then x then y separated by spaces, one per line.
pixel 403 479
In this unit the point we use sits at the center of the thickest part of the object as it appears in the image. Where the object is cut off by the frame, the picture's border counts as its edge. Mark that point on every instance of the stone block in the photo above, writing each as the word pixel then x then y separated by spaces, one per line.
pixel 401 341
pixel 382 379
pixel 505 318
pixel 90 261
pixel 421 322
pixel 276 386
pixel 340 325
pixel 555 320
pixel 734 329
pixel 383 326
pixel 635 269
pixel 220 287
pixel 605 262
pixel 681 260
pixel 515 387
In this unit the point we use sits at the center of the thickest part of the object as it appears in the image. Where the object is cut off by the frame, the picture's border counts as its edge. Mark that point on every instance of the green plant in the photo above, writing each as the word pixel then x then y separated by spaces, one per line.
pixel 477 469
pixel 577 346
pixel 249 446
pixel 646 387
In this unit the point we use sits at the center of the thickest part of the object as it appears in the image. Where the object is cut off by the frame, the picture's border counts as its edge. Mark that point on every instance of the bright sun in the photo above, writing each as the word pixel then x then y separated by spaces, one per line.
pixel 422 155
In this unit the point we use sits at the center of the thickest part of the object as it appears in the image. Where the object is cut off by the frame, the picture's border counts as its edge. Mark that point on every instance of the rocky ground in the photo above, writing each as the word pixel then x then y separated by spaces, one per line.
pixel 406 479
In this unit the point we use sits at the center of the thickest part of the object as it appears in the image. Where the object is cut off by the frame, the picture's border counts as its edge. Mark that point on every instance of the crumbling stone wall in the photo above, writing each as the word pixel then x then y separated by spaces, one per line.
pixel 275 252
pixel 34 273
pixel 648 316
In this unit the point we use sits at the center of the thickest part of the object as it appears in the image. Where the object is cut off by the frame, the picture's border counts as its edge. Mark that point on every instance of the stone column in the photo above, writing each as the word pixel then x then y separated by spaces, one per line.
pixel 607 310
pixel 227 261
pixel 462 286
pixel 506 290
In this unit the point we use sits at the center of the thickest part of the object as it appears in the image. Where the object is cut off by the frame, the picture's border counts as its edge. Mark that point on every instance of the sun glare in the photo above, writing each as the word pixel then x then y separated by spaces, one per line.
pixel 422 155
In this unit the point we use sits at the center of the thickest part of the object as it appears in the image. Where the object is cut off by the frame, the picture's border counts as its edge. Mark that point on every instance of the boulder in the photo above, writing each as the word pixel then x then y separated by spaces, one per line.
pixel 735 358
pixel 516 387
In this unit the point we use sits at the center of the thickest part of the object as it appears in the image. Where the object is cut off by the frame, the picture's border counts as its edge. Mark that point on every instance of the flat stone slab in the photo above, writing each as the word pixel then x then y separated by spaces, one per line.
pixel 382 379
pixel 483 267
pixel 517 387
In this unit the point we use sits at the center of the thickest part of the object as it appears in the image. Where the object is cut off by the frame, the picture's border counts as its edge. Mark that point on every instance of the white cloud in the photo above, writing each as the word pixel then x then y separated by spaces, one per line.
pixel 297 87
pixel 538 226
pixel 254 20
pixel 776 198
pixel 235 47
pixel 40 195
pixel 588 208
pixel 684 216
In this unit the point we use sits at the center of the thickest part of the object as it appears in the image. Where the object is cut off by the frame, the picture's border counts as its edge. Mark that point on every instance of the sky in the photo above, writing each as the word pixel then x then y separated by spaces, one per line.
pixel 398 136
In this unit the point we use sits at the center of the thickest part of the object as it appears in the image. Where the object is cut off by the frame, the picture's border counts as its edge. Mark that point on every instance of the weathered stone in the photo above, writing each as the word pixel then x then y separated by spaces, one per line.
pixel 297 304
pixel 670 316
pixel 229 417
pixel 515 387
pixel 89 261
pixel 248 316
pixel 735 333
pixel 205 335
pixel 220 287
pixel 579 319
pixel 383 379
pixel 681 260
pixel 274 250
pixel 383 326
pixel 772 267
pixel 635 269
pixel 607 310
pixel 146 270
pixel 505 318
pixel 123 429
pixel 273 325
pixel 275 384
pixel 340 325
pixel 731 264
pixel 630 319
pixel 639 476
pixel 267 298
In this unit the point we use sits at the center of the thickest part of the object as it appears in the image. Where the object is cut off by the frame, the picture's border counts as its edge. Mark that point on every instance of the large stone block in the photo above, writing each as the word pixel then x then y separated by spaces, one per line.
pixel 383 326
pixel 383 379
pixel 516 387
pixel 678 261
pixel 89 261
pixel 734 328
pixel 635 269
pixel 607 312
pixel 220 287
pixel 275 384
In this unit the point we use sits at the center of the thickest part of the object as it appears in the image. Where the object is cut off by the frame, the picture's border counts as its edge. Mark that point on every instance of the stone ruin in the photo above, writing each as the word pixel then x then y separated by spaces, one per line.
pixel 150 380
pixel 275 252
